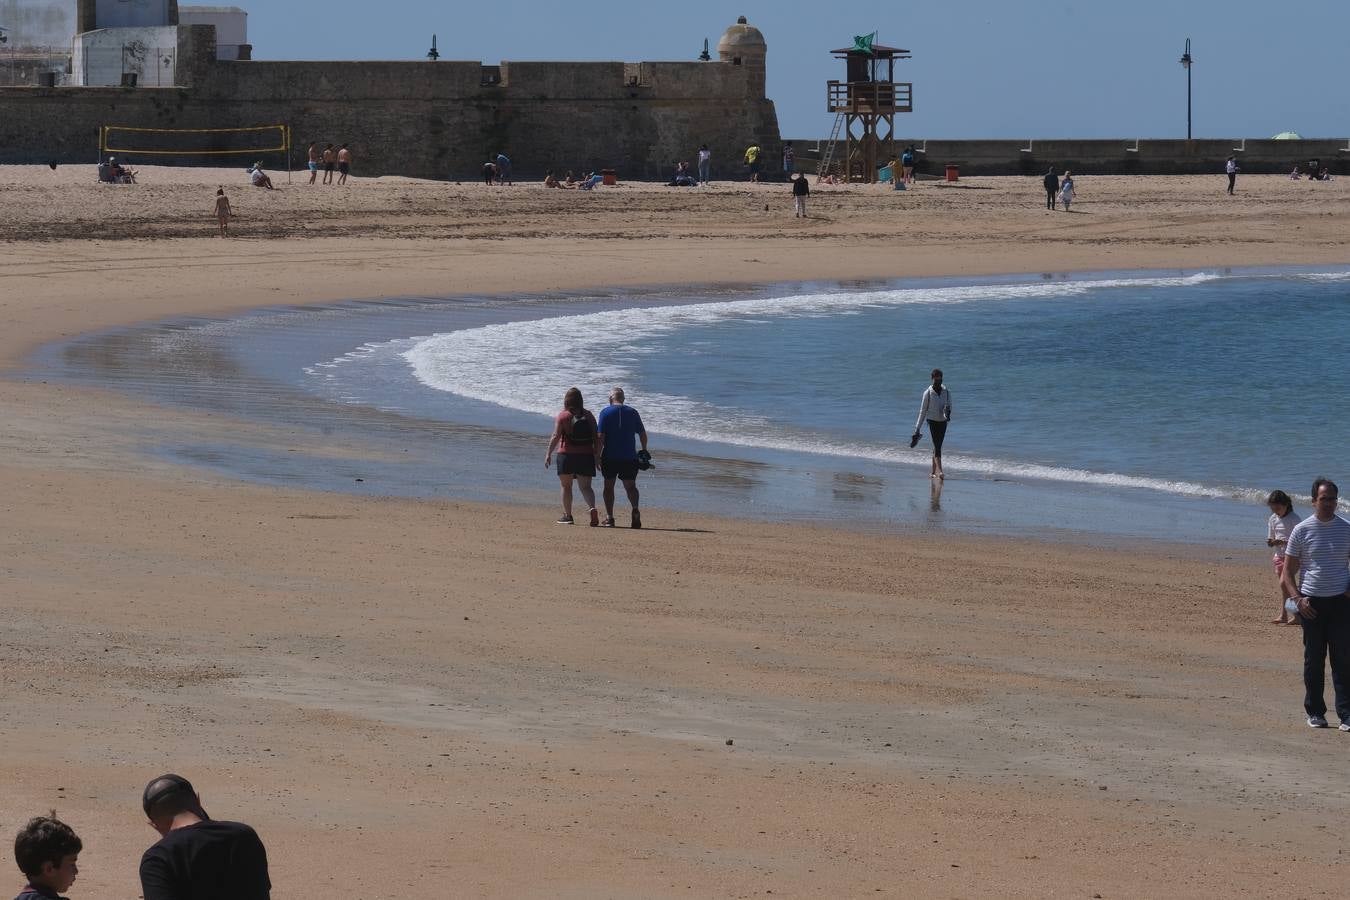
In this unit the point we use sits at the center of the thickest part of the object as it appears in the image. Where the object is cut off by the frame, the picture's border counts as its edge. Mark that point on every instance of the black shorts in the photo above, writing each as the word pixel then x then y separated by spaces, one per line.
pixel 328 167
pixel 576 464
pixel 344 168
pixel 622 469
pixel 937 431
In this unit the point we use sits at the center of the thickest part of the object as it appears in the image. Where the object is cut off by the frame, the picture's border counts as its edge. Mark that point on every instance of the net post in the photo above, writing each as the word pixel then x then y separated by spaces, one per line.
pixel 287 130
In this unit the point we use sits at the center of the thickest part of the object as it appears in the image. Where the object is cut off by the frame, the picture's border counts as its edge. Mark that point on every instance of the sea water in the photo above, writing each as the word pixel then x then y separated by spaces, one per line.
pixel 1201 384
pixel 1158 405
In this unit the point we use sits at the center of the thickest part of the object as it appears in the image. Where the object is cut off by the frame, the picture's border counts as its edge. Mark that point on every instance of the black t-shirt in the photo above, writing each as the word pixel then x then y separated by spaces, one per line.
pixel 207 861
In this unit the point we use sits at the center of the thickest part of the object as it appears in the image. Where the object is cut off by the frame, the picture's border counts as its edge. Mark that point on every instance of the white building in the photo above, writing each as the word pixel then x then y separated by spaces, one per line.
pixel 231 28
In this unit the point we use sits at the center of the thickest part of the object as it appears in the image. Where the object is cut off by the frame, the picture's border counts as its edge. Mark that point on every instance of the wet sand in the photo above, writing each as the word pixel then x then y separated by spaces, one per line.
pixel 449 699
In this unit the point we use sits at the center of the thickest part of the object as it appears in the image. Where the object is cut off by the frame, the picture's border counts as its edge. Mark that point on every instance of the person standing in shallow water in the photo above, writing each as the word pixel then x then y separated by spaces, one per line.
pixel 936 410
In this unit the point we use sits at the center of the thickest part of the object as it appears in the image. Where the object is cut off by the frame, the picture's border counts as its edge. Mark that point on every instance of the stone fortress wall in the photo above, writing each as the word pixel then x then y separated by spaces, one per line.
pixel 428 119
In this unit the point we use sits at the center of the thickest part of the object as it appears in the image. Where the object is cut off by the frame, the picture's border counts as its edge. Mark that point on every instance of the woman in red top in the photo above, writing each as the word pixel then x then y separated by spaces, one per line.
pixel 576 429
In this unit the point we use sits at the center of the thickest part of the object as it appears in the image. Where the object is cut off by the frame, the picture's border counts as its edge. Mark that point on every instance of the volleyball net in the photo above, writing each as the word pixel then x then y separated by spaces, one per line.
pixel 197 145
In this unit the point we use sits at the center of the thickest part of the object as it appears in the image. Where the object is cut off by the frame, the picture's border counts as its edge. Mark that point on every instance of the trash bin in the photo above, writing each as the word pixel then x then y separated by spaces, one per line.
pixel 953 172
pixel 608 176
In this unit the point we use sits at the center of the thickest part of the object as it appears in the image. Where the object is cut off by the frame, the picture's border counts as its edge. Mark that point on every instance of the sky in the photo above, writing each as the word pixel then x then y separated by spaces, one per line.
pixel 981 68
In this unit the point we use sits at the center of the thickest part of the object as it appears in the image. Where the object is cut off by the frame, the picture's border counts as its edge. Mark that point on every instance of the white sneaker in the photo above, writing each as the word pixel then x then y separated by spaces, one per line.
pixel 1317 721
pixel 1345 726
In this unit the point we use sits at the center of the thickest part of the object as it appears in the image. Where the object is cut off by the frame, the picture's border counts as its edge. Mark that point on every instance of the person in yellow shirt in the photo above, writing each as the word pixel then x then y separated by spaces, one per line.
pixel 752 160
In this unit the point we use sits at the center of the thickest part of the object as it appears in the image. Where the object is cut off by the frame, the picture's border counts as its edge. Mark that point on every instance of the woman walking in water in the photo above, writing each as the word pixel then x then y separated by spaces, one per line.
pixel 576 429
pixel 936 408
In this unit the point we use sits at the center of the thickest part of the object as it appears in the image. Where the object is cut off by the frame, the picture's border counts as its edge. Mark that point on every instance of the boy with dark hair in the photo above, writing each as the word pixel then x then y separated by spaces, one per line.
pixel 47 851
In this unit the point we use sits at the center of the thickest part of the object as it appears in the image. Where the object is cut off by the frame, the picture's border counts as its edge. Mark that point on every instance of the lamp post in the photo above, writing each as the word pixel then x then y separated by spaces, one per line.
pixel 1186 64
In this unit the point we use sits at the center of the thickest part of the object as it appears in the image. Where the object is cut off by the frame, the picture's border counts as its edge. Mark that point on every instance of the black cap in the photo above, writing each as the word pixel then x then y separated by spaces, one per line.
pixel 166 786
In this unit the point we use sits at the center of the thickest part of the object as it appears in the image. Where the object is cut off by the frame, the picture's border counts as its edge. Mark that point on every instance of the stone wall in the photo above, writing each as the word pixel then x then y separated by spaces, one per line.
pixel 1112 157
pixel 439 120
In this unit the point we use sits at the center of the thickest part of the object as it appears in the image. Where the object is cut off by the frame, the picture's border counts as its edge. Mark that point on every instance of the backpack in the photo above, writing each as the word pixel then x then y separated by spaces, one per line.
pixel 582 433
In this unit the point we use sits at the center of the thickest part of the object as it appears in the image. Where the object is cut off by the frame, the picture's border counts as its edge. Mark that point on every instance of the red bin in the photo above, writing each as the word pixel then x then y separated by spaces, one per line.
pixel 953 172
pixel 608 176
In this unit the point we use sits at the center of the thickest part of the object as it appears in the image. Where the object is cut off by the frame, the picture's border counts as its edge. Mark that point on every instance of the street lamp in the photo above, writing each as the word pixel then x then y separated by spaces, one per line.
pixel 1186 64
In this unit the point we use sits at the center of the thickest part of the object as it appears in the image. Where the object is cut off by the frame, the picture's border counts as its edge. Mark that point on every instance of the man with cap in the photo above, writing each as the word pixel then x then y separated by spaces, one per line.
pixel 197 857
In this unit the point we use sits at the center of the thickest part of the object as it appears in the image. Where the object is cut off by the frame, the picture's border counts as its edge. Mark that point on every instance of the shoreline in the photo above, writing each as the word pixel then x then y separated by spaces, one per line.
pixel 546 711
pixel 247 380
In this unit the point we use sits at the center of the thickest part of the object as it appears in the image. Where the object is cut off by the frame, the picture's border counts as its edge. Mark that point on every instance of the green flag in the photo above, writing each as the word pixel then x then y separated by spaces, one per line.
pixel 863 42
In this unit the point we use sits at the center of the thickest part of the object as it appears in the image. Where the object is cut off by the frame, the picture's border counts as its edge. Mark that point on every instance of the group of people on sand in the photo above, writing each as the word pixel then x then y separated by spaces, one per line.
pixel 1312 569
pixel 195 857
pixel 497 170
pixel 570 181
pixel 1323 175
pixel 615 442
pixel 113 172
pixel 330 159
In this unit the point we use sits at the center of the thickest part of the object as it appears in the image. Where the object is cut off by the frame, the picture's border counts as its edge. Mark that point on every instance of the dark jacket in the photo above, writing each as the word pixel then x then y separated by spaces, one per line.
pixel 800 188
pixel 1051 181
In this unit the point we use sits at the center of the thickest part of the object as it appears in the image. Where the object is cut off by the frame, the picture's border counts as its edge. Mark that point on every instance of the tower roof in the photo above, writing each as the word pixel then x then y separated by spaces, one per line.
pixel 741 37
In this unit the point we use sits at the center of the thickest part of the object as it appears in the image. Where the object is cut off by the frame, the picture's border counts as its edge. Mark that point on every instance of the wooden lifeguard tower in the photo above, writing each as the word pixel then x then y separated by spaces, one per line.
pixel 864 108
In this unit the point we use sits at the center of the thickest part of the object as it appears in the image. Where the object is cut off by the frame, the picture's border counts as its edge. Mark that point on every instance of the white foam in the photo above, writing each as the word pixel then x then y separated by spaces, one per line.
pixel 525 365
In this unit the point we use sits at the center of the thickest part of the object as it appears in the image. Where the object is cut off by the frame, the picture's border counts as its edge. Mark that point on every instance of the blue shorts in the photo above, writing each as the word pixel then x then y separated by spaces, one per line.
pixel 313 166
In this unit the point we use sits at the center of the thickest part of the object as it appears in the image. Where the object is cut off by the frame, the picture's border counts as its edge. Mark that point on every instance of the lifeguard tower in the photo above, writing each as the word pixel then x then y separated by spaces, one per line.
pixel 864 108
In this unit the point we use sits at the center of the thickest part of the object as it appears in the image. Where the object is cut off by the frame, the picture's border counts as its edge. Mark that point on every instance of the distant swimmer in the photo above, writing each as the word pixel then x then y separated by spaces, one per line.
pixel 621 427
pixel 936 410
pixel 577 437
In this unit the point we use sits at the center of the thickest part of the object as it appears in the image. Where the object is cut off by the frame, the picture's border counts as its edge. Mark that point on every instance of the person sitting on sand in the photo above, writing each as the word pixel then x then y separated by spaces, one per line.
pixel 569 180
pixel 682 177
pixel 259 178
pixel 223 212
pixel 1294 175
pixel 591 181
pixel 120 174
pixel 550 180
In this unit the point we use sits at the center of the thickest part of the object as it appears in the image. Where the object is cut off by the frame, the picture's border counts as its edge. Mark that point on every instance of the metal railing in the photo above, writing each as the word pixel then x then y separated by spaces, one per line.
pixel 869 97
pixel 25 66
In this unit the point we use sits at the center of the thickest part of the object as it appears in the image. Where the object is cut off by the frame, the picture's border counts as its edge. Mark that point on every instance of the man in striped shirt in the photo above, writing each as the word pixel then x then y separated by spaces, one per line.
pixel 1319 550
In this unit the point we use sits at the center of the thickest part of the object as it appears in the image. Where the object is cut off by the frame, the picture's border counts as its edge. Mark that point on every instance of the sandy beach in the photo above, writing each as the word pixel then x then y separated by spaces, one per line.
pixel 447 699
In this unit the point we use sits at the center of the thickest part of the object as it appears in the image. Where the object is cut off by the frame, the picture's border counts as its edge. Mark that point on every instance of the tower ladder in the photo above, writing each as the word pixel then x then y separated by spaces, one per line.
pixel 827 158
